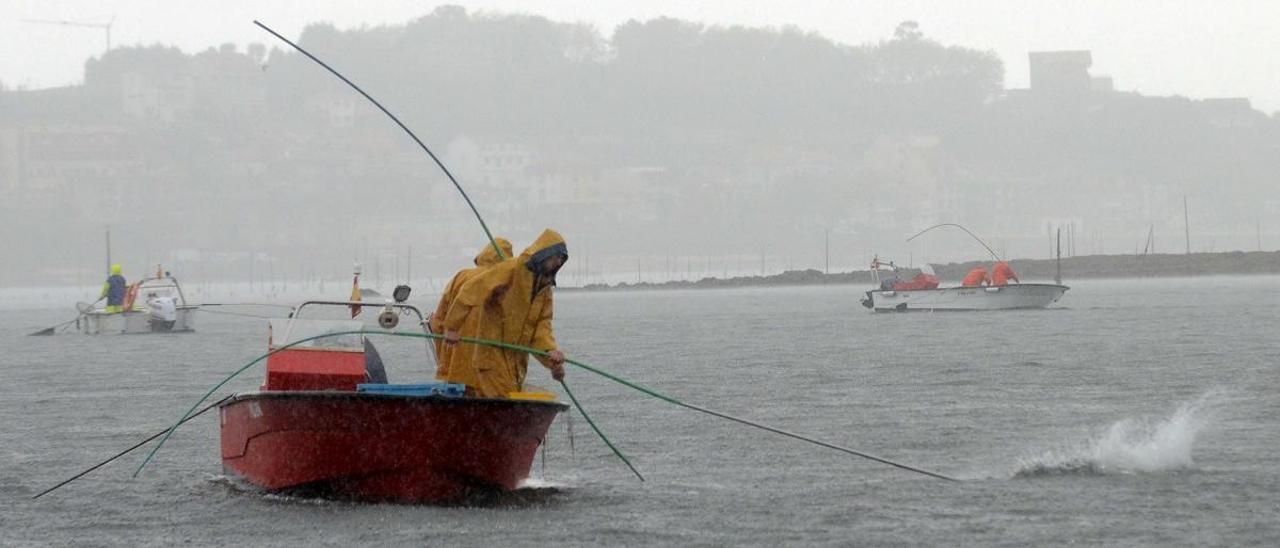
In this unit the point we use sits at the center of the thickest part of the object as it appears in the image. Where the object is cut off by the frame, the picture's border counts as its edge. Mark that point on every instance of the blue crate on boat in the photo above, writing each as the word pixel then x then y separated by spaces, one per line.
pixel 447 389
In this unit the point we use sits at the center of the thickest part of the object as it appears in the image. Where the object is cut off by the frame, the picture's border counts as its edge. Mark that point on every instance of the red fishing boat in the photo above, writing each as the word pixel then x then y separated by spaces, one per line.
pixel 327 423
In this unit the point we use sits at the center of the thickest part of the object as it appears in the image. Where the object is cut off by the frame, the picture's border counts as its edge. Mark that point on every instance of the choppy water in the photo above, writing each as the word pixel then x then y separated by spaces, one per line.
pixel 1140 412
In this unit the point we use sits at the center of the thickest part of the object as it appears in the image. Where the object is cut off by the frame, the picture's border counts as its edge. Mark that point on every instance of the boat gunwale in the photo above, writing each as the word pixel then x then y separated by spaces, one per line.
pixel 983 287
pixel 371 396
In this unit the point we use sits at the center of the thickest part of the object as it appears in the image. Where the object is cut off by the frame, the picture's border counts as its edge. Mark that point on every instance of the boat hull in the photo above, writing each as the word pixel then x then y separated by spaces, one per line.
pixel 382 447
pixel 1009 297
pixel 136 322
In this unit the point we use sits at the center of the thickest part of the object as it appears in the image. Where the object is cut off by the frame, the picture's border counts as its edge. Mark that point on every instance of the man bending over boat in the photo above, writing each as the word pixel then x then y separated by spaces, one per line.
pixel 1001 273
pixel 114 289
pixel 510 302
pixel 977 277
pixel 487 257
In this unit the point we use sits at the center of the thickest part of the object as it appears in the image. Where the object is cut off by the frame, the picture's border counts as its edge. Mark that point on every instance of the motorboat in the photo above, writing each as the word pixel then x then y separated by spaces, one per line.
pixel 326 422
pixel 894 294
pixel 154 304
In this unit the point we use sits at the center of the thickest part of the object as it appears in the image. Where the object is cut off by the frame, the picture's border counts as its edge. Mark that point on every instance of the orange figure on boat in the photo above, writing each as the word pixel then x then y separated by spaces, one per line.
pixel 977 277
pixel 1001 273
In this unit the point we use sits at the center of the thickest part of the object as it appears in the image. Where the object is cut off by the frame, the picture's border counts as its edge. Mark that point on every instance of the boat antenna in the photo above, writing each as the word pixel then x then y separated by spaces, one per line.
pixel 966 231
pixel 1057 275
pixel 406 129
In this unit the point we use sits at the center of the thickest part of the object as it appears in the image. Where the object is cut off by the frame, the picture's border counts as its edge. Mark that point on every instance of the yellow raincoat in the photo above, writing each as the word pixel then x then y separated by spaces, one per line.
pixel 502 303
pixel 485 259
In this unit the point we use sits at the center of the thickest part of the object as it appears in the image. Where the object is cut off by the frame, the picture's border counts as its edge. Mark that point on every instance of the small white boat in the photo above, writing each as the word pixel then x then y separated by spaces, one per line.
pixel 153 305
pixel 1006 297
pixel 897 296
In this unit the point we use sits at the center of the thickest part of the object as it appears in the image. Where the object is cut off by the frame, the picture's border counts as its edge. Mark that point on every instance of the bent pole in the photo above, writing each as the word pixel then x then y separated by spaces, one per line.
pixel 406 129
pixel 966 231
pixel 125 452
pixel 598 432
pixel 52 329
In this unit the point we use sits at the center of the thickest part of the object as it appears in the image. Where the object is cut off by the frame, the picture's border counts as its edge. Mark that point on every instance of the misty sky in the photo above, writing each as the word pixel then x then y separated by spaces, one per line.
pixel 1193 48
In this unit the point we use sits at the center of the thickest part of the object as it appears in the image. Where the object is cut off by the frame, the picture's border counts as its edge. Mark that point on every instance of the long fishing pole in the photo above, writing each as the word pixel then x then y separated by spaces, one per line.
pixel 598 432
pixel 53 329
pixel 975 236
pixel 126 451
pixel 671 400
pixel 601 372
pixel 406 129
pixel 276 305
pixel 239 314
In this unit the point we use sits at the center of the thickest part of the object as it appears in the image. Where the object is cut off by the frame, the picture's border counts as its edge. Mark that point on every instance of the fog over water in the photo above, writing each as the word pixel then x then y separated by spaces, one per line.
pixel 662 147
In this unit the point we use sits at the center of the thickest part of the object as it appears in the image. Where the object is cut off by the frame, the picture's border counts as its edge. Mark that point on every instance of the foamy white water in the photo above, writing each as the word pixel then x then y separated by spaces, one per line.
pixel 1145 444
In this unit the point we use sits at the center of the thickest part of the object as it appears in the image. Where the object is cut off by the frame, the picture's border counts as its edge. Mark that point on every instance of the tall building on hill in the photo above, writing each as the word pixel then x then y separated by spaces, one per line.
pixel 1061 72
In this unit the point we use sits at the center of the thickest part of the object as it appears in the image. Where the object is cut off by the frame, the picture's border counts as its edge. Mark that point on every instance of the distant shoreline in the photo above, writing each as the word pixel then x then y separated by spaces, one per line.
pixel 1080 267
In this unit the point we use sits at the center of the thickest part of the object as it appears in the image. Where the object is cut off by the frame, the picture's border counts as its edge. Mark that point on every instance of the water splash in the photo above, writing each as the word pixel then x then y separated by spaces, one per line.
pixel 1130 446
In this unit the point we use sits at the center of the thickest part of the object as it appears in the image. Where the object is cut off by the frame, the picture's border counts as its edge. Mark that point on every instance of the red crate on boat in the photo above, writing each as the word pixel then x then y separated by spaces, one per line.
pixel 315 369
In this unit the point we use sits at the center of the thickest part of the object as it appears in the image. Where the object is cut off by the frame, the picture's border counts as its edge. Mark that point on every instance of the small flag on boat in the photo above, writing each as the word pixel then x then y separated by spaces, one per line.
pixel 355 295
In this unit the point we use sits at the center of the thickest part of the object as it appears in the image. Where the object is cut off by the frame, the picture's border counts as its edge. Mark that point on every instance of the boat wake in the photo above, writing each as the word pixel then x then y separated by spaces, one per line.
pixel 532 492
pixel 1129 446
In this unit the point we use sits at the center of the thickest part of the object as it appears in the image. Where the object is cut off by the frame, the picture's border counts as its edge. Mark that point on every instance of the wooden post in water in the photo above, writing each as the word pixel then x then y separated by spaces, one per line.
pixel 108 250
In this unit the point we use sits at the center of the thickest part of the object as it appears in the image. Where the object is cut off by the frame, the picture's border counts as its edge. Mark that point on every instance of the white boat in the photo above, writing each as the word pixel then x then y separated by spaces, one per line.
pixel 153 305
pixel 896 296
pixel 1013 296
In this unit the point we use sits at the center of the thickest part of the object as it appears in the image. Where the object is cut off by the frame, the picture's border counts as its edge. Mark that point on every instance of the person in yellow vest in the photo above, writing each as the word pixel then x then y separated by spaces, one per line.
pixel 487 257
pixel 114 290
pixel 511 302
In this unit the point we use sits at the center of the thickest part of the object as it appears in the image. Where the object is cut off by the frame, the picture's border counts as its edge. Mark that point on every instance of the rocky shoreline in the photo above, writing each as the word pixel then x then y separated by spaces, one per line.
pixel 1080 267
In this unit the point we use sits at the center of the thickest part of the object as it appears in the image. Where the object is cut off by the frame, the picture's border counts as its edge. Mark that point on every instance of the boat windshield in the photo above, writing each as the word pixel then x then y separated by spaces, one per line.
pixel 160 287
pixel 285 331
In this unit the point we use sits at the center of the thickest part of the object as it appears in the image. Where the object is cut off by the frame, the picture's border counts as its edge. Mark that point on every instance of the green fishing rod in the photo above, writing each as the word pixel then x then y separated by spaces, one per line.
pixel 406 129
pixel 598 371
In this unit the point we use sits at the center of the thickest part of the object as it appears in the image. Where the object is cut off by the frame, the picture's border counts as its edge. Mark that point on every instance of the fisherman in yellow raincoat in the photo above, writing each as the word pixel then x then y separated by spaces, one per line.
pixel 487 257
pixel 510 302
pixel 114 289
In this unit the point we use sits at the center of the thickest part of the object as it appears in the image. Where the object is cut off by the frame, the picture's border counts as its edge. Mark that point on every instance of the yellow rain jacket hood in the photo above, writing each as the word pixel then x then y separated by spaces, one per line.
pixel 514 302
pixel 487 257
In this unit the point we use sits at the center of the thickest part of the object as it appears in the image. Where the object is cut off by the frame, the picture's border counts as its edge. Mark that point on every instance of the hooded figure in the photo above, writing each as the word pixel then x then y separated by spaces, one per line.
pixel 1001 273
pixel 510 302
pixel 487 257
pixel 114 289
pixel 977 277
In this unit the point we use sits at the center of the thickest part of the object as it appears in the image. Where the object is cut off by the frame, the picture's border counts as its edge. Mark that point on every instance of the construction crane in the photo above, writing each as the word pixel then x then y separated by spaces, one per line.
pixel 104 26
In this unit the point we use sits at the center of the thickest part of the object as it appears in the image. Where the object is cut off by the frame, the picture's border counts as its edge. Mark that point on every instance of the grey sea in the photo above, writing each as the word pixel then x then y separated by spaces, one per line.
pixel 1133 412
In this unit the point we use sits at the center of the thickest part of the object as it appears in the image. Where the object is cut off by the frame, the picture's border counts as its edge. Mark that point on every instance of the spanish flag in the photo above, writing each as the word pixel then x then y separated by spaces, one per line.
pixel 355 295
